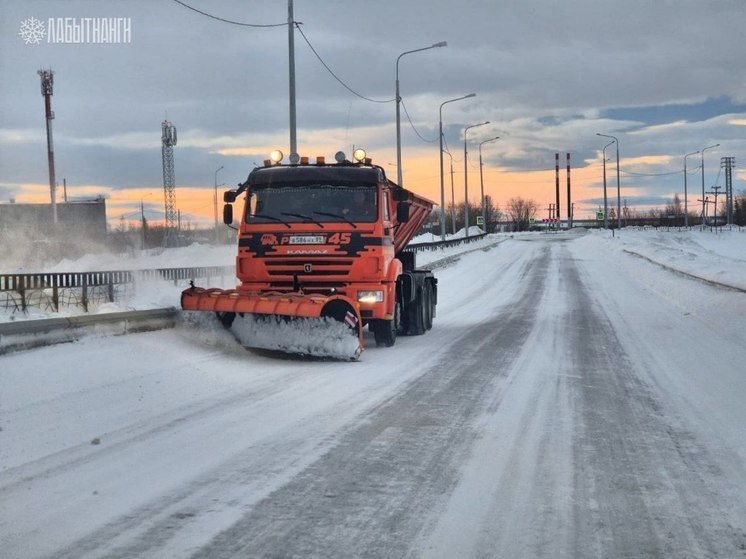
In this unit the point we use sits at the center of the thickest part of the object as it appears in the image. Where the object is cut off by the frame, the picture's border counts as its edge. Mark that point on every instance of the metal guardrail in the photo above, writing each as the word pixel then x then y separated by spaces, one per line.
pixel 711 228
pixel 21 291
pixel 49 290
pixel 28 334
pixel 435 245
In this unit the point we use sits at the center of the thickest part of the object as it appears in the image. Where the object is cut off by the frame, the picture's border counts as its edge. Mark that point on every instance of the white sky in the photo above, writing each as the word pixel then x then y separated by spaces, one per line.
pixel 666 77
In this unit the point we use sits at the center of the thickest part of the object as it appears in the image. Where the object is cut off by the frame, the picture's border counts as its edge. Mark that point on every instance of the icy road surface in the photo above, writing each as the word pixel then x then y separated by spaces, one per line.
pixel 572 400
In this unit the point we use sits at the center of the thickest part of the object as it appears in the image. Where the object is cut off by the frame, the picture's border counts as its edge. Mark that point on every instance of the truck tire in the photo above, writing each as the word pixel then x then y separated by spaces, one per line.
pixel 385 331
pixel 428 305
pixel 417 315
pixel 226 318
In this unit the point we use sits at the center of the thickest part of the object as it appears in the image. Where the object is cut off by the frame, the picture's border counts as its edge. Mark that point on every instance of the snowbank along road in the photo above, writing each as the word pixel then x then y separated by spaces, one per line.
pixel 571 401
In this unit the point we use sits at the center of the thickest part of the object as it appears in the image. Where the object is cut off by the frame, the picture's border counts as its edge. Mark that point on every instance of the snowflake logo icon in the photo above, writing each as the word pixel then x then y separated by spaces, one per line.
pixel 32 31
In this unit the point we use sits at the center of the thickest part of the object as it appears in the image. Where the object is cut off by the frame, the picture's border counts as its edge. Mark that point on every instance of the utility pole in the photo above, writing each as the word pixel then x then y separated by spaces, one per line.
pixel 453 198
pixel 705 201
pixel 556 183
pixel 294 157
pixel 728 163
pixel 144 224
pixel 47 90
pixel 702 154
pixel 215 203
pixel 716 191
pixel 569 196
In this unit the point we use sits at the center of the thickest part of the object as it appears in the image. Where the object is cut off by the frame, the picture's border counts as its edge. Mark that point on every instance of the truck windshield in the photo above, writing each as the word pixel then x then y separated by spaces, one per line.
pixel 327 203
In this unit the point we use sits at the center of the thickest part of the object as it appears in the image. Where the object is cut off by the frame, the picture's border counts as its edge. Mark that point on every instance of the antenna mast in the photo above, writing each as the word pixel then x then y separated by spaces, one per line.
pixel 168 141
pixel 47 86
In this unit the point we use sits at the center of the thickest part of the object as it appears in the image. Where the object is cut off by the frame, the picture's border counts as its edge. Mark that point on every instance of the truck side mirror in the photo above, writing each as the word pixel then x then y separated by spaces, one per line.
pixel 399 194
pixel 402 212
pixel 228 214
pixel 229 196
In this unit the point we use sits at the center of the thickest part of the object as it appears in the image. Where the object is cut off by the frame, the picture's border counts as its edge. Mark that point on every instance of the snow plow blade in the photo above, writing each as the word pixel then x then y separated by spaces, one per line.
pixel 313 325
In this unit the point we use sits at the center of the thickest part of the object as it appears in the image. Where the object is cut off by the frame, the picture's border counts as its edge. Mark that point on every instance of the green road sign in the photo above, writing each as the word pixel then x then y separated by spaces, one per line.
pixel 599 216
pixel 480 220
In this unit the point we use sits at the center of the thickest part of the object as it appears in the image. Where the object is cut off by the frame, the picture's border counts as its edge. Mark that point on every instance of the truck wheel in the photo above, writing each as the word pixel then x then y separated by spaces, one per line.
pixel 427 304
pixel 226 318
pixel 417 315
pixel 385 331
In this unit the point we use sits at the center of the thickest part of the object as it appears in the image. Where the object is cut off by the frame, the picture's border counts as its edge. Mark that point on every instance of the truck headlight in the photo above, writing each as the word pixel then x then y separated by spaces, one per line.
pixel 370 296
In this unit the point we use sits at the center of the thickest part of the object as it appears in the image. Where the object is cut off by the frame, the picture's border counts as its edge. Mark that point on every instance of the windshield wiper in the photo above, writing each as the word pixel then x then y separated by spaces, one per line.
pixel 340 216
pixel 273 218
pixel 308 217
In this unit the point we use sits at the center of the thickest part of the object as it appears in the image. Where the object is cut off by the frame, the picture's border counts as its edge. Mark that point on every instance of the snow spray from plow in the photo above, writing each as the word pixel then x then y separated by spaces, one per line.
pixel 314 325
pixel 318 337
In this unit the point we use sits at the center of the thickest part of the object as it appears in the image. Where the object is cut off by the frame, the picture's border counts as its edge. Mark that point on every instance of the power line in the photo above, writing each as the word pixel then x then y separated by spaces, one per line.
pixel 297 26
pixel 652 174
pixel 318 56
pixel 348 88
pixel 412 125
pixel 325 65
pixel 229 20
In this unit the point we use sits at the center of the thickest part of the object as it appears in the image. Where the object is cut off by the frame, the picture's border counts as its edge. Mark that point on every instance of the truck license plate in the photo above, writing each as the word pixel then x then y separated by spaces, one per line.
pixel 307 240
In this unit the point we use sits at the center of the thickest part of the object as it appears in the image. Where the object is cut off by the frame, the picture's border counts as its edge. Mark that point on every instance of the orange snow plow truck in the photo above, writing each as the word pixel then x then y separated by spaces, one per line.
pixel 320 256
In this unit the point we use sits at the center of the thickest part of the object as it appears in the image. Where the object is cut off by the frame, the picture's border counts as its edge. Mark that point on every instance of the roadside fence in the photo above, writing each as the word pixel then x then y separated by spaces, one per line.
pixel 48 291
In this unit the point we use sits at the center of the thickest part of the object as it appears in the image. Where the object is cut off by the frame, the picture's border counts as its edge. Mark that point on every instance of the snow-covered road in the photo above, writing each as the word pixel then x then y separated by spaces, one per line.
pixel 572 400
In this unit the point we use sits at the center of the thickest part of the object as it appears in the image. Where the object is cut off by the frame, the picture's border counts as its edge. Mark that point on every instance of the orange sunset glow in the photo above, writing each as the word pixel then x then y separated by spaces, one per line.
pixel 421 174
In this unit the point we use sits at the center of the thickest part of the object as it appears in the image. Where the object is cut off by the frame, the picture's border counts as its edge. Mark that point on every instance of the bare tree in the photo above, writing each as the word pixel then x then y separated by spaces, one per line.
pixel 520 211
pixel 674 210
pixel 492 213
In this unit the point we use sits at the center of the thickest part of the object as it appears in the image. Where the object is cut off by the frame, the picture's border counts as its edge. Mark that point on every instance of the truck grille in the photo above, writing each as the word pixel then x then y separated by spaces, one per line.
pixel 319 267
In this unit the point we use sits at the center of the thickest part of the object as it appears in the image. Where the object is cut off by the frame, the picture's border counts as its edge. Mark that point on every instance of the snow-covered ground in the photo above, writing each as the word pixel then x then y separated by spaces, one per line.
pixel 718 257
pixel 573 399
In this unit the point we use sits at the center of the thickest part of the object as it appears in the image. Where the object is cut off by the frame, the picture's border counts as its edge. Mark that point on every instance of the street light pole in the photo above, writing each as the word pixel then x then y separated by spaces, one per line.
pixel 686 194
pixel 398 115
pixel 453 197
pixel 618 189
pixel 215 203
pixel 606 201
pixel 702 152
pixel 442 188
pixel 466 177
pixel 291 82
pixel 481 180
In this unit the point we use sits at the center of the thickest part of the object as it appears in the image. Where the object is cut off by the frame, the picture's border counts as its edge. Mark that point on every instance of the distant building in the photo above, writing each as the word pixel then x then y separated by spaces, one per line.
pixel 76 221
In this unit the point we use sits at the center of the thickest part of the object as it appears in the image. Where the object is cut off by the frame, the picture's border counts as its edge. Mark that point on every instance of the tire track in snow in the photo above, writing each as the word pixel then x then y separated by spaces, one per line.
pixel 372 493
pixel 655 489
pixel 580 457
pixel 156 519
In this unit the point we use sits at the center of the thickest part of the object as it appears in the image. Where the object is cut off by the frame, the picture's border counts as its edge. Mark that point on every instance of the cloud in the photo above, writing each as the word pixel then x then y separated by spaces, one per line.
pixel 548 78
